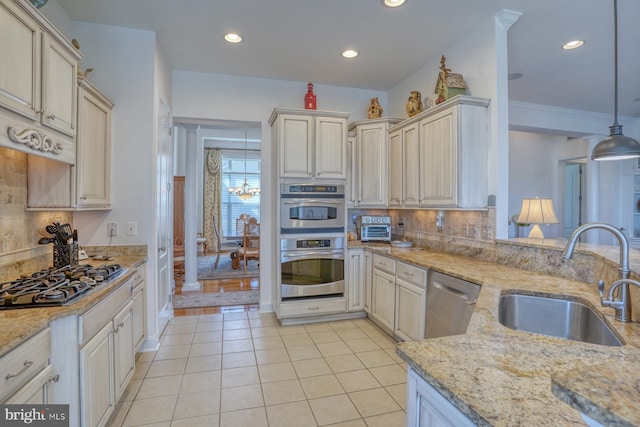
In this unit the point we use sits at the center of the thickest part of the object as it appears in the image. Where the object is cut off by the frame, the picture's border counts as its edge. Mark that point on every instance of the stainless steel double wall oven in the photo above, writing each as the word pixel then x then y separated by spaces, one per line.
pixel 312 252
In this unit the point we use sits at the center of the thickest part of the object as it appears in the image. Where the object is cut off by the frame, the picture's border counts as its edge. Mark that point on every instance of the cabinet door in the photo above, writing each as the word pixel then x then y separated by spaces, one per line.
pixel 138 317
pixel 59 86
pixel 124 355
pixel 352 172
pixel 20 41
pixel 295 141
pixel 409 311
pixel 396 169
pixel 411 166
pixel 355 280
pixel 330 148
pixel 383 298
pixel 439 156
pixel 367 273
pixel 428 408
pixel 93 154
pixel 372 165
pixel 97 388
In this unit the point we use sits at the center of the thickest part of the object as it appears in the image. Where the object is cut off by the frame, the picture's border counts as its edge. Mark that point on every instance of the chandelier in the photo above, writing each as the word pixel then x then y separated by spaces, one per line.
pixel 245 192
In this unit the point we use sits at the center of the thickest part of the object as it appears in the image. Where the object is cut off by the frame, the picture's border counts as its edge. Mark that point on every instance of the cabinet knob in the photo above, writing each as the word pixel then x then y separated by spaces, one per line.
pixel 54 378
pixel 27 364
pixel 51 116
pixel 40 112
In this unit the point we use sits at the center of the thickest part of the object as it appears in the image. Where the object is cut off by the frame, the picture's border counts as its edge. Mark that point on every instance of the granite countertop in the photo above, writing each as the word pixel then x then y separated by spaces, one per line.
pixel 501 377
pixel 18 325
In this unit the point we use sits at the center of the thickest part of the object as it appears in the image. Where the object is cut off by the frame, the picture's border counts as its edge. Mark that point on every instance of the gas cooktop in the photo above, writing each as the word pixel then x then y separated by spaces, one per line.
pixel 56 287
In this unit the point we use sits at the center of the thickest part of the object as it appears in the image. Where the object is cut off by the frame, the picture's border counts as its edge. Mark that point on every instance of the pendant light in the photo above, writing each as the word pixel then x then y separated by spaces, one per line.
pixel 245 192
pixel 616 146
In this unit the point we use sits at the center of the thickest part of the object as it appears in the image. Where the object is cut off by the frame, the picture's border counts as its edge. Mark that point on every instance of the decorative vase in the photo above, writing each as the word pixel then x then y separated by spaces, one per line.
pixel 414 104
pixel 310 98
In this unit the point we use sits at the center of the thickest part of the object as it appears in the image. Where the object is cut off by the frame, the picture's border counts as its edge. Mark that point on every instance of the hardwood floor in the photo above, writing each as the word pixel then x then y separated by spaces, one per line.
pixel 222 285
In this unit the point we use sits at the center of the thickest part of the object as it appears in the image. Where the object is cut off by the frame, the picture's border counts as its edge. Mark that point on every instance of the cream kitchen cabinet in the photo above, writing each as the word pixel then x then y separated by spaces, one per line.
pixel 93 155
pixel 453 147
pixel 404 166
pixel 107 355
pixel 25 371
pixel 411 302
pixel 355 279
pixel 383 292
pixel 351 187
pixel 139 311
pixel 38 85
pixel 367 275
pixel 310 144
pixel 426 407
pixel 371 152
pixel 87 185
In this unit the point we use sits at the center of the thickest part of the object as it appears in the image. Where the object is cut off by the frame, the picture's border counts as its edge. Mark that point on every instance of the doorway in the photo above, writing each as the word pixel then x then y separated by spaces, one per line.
pixel 229 156
pixel 574 200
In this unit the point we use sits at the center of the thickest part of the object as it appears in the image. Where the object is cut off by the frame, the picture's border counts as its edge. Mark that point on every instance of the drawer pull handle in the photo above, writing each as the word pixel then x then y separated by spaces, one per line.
pixel 120 325
pixel 27 365
pixel 313 308
pixel 51 116
pixel 54 378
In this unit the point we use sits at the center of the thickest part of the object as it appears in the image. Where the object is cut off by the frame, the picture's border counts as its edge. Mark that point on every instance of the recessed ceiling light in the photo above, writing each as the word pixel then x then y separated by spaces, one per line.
pixel 350 53
pixel 574 44
pixel 233 38
pixel 393 3
pixel 514 76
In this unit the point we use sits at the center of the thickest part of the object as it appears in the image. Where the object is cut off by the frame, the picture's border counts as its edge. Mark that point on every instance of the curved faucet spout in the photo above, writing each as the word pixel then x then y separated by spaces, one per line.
pixel 622 240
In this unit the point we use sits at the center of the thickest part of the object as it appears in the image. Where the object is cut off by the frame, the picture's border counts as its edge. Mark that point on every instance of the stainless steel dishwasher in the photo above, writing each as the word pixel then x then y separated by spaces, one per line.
pixel 450 303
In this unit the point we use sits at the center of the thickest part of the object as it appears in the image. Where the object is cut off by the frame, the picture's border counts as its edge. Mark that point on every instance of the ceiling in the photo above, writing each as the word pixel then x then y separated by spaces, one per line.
pixel 302 40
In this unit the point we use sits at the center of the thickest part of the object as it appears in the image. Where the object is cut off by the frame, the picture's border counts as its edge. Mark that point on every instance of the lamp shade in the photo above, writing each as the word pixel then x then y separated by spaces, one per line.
pixel 537 211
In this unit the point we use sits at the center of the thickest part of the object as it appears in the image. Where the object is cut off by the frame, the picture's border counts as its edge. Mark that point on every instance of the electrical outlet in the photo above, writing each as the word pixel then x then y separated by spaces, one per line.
pixel 112 229
pixel 132 228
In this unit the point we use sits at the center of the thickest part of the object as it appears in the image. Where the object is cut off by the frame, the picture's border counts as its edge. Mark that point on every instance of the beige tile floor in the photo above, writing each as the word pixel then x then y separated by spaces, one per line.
pixel 244 369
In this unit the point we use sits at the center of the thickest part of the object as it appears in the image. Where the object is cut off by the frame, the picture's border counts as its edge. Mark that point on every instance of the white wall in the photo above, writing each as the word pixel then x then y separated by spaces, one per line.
pixel 535 170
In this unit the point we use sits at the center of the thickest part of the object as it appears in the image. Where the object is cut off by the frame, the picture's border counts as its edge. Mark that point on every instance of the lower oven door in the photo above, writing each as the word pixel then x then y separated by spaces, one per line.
pixel 312 274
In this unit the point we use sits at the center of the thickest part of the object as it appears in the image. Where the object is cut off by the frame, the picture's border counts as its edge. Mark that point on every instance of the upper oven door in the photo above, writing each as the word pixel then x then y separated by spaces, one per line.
pixel 312 215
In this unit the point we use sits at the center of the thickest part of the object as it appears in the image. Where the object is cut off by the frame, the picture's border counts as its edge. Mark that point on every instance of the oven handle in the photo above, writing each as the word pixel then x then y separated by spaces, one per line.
pixel 299 255
pixel 309 201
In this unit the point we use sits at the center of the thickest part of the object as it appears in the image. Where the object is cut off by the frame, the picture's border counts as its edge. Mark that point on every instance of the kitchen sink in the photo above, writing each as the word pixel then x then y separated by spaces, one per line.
pixel 558 317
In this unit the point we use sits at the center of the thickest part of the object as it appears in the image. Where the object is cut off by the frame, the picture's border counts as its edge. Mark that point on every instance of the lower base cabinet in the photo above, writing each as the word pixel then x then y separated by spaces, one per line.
pixel 428 408
pixel 355 279
pixel 383 298
pixel 36 391
pixel 96 371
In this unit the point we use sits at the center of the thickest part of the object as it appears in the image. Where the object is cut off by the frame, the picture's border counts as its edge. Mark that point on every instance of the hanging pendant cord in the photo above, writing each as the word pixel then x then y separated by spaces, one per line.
pixel 615 61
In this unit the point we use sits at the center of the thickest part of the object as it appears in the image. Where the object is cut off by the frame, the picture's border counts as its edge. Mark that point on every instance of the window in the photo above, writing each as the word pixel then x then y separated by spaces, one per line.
pixel 233 175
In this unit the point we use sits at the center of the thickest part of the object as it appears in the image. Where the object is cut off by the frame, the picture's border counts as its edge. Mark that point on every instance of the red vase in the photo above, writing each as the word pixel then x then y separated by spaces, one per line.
pixel 310 98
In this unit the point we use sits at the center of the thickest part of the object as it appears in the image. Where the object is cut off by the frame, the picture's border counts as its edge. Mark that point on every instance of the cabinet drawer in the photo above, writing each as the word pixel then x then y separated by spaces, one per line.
pixel 93 320
pixel 140 275
pixel 385 264
pixel 24 362
pixel 414 275
pixel 312 307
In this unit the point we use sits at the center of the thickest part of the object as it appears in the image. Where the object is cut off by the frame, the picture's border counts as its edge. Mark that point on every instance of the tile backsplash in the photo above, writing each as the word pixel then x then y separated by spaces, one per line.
pixel 20 230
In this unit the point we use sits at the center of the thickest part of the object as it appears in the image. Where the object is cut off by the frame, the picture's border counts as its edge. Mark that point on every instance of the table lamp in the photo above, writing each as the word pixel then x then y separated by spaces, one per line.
pixel 537 211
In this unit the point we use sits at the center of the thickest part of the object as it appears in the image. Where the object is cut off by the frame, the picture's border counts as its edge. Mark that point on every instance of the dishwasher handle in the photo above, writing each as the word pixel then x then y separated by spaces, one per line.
pixel 455 292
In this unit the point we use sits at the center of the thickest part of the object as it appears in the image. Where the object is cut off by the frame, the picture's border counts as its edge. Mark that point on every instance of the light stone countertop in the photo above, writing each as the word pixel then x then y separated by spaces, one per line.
pixel 501 377
pixel 18 325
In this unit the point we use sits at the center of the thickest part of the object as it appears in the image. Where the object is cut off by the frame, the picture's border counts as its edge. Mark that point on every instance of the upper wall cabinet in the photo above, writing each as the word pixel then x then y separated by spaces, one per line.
pixel 438 158
pixel 369 167
pixel 310 143
pixel 87 186
pixel 38 73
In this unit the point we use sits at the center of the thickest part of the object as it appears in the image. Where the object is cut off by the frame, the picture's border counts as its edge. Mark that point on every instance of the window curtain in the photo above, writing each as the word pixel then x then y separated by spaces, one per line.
pixel 212 198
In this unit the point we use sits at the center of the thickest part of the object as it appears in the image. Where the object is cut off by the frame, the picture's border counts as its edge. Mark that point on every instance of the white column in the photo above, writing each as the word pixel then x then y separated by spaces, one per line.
pixel 592 190
pixel 498 165
pixel 190 215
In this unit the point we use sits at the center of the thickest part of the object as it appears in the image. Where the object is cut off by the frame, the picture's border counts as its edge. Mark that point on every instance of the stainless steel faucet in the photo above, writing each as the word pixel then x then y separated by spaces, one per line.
pixel 622 302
